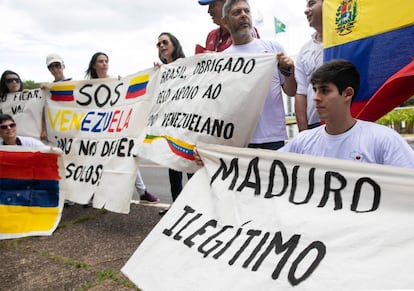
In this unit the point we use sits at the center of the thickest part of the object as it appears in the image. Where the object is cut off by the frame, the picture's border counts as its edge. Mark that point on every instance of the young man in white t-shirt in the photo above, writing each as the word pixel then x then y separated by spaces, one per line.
pixel 336 83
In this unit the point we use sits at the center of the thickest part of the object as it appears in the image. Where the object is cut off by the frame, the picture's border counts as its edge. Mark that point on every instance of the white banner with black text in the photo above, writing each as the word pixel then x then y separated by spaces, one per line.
pixel 263 220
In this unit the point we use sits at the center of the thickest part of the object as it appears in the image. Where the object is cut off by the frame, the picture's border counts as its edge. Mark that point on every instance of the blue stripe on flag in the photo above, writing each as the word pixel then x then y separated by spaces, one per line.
pixel 40 193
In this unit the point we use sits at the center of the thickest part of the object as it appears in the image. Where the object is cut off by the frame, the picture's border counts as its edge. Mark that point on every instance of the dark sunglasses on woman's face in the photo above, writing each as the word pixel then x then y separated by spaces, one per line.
pixel 11 80
pixel 6 126
pixel 164 42
pixel 55 66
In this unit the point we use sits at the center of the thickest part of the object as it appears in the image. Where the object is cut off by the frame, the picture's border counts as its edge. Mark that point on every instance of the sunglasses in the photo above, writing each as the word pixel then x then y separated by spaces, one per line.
pixel 164 42
pixel 11 80
pixel 54 66
pixel 6 126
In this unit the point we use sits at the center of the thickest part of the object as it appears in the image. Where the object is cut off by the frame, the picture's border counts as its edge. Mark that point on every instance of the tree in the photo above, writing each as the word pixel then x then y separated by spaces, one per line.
pixel 29 84
pixel 409 102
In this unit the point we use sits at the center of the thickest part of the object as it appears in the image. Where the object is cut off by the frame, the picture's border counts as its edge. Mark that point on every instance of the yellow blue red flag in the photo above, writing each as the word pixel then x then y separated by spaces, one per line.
pixel 31 191
pixel 378 37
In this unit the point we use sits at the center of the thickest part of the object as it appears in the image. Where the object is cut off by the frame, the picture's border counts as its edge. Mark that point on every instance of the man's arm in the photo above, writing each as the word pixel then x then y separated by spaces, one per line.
pixel 301 111
pixel 287 68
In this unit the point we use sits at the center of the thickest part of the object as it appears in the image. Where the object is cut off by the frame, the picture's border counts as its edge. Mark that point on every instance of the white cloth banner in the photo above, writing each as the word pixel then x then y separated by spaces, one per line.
pixel 263 220
pixel 96 123
pixel 26 108
pixel 209 98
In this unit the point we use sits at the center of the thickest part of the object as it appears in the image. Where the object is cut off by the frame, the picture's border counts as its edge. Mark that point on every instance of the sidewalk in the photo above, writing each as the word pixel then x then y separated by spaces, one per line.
pixel 86 251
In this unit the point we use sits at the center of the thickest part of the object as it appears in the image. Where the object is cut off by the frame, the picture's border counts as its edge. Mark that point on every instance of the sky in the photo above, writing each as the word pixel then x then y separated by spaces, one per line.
pixel 126 30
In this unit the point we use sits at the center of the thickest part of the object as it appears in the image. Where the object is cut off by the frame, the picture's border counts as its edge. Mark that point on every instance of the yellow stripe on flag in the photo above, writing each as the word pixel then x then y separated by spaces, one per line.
pixel 139 79
pixel 63 87
pixel 365 18
pixel 20 219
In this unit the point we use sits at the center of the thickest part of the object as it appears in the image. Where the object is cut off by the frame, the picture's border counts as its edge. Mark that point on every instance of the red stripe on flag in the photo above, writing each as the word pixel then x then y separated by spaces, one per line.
pixel 29 165
pixel 135 94
pixel 357 107
pixel 397 89
pixel 180 153
pixel 62 97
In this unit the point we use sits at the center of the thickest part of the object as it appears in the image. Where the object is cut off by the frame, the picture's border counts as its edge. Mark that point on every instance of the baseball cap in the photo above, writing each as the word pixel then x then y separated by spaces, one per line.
pixel 205 2
pixel 53 58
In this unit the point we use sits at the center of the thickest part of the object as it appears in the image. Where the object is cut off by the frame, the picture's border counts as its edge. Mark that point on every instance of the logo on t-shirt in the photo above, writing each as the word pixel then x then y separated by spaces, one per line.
pixel 356 156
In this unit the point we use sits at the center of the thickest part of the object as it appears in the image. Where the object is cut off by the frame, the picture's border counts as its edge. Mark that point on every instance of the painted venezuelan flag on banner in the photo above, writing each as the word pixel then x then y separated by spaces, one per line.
pixel 378 37
pixel 137 86
pixel 62 92
pixel 30 191
pixel 178 147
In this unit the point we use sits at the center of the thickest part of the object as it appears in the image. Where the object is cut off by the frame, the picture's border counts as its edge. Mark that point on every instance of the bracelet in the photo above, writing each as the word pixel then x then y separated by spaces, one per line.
pixel 285 73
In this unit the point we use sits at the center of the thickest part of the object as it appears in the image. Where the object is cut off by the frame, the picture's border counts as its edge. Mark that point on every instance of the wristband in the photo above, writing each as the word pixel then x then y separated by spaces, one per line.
pixel 285 72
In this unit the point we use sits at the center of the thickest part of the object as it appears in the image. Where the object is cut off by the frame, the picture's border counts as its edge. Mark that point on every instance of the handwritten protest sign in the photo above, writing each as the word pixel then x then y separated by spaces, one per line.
pixel 96 123
pixel 32 190
pixel 26 109
pixel 99 124
pixel 210 98
pixel 264 220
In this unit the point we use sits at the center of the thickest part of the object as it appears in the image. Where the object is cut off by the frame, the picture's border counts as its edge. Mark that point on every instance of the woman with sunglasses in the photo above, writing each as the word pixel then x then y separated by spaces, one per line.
pixel 10 83
pixel 169 50
pixel 8 133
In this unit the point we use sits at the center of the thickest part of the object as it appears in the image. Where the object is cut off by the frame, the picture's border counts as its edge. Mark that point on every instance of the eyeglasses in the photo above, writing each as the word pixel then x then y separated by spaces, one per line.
pixel 164 42
pixel 11 80
pixel 54 66
pixel 6 126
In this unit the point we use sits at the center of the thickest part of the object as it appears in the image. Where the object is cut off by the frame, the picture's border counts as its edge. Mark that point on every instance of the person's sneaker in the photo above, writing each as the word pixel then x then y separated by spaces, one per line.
pixel 149 198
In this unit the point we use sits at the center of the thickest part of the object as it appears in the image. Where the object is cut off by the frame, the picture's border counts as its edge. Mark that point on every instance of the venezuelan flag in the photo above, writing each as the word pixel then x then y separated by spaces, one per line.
pixel 29 193
pixel 378 37
pixel 178 147
pixel 137 86
pixel 62 92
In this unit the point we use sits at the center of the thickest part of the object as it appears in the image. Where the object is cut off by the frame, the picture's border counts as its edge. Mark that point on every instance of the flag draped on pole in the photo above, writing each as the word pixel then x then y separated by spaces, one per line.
pixel 279 26
pixel 378 37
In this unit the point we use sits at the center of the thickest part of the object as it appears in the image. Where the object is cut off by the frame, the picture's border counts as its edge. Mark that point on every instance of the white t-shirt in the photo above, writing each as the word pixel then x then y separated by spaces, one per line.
pixel 28 141
pixel 271 126
pixel 310 58
pixel 366 142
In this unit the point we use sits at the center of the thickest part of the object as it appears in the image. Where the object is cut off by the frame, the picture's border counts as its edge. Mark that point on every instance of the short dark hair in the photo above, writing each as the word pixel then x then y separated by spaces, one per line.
pixel 178 50
pixel 5 117
pixel 342 73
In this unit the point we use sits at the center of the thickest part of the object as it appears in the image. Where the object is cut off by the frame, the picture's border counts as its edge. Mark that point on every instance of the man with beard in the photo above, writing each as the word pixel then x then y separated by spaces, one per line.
pixel 219 39
pixel 271 129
